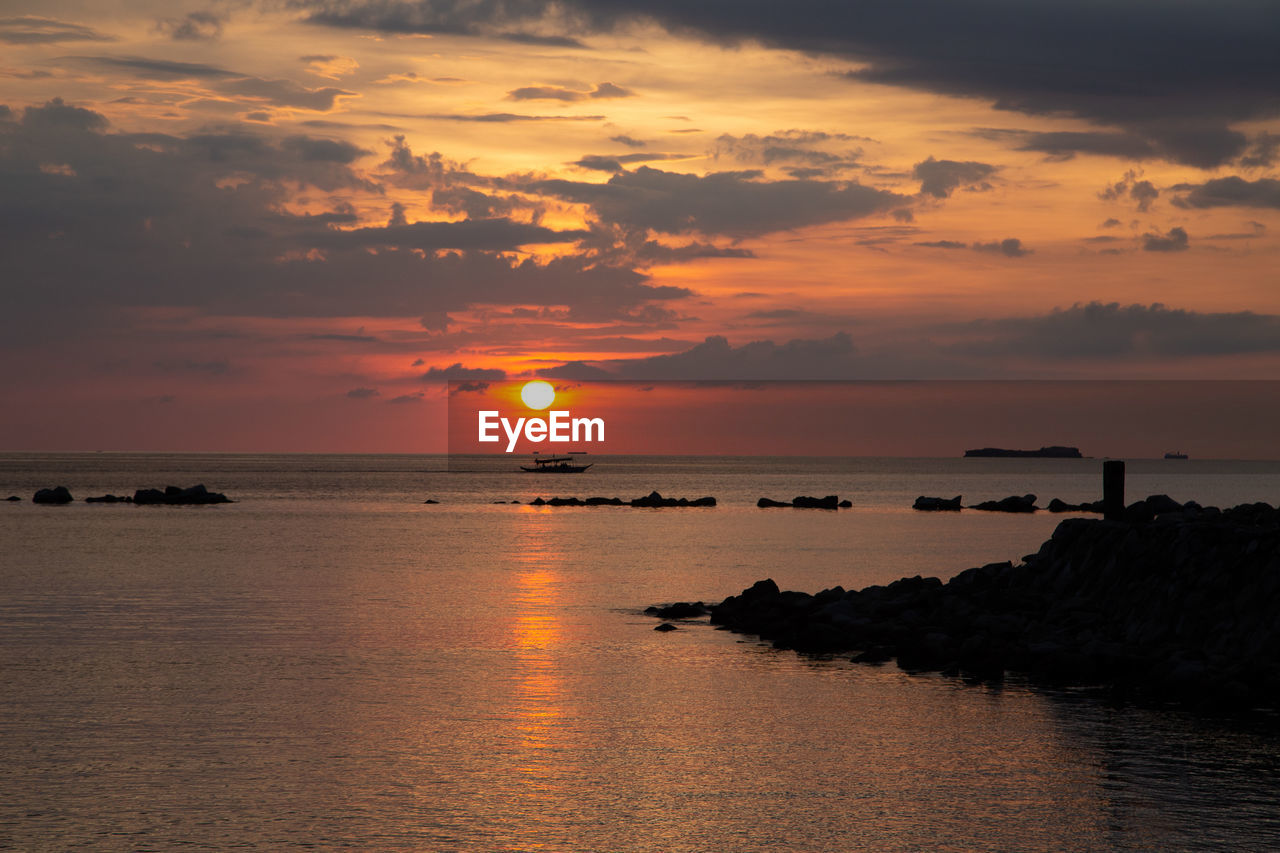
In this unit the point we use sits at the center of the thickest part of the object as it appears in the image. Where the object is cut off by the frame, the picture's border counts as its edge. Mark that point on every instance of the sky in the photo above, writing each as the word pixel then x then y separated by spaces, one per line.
pixel 285 225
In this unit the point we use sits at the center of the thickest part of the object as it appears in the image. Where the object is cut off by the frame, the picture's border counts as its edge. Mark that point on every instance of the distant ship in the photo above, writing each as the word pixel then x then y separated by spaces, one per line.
pixel 555 465
pixel 1175 454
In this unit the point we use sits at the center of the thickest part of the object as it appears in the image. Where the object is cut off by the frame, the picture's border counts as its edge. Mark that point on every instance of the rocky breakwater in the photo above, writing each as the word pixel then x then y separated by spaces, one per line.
pixel 653 499
pixel 1175 600
pixel 175 496
pixel 806 502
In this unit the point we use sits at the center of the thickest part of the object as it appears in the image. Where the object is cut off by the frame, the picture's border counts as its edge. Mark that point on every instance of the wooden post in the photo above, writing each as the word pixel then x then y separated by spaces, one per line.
pixel 1113 489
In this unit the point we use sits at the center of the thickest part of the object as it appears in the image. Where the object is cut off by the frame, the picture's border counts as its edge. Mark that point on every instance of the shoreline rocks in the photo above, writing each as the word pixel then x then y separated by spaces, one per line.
pixel 175 496
pixel 929 504
pixel 1013 503
pixel 651 500
pixel 806 502
pixel 56 495
pixel 1177 604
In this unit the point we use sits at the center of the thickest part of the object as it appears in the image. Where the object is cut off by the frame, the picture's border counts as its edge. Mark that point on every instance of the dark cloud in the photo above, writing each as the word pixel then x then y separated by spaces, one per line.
pixel 616 162
pixel 1098 330
pixel 502 118
pixel 939 178
pixel 278 92
pixel 56 114
pixel 206 212
pixel 1011 247
pixel 1110 223
pixel 1231 191
pixel 1062 145
pixel 716 359
pixel 737 204
pixel 351 339
pixel 160 69
pixel 623 139
pixel 195 26
pixel 325 150
pixel 32 29
pixel 407 398
pixel 457 371
pixel 562 93
pixel 1174 241
pixel 469 234
pixel 1263 153
pixel 817 152
pixel 285 93
pixel 1175 75
pixel 1131 187
pixel 541 40
pixel 363 393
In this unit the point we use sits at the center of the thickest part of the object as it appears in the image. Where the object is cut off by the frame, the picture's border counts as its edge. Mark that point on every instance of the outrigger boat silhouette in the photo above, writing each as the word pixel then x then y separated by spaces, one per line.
pixel 555 465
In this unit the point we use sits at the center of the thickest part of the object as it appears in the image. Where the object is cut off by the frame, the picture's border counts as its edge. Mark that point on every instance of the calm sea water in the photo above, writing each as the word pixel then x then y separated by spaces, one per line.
pixel 331 663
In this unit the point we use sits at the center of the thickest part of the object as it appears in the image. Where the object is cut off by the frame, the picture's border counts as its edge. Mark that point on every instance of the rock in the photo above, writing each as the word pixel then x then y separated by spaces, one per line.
pixel 56 495
pixel 109 499
pixel 430 501
pixel 1162 504
pixel 666 626
pixel 537 502
pixel 13 498
pixel 806 502
pixel 846 504
pixel 603 502
pixel 769 503
pixel 679 610
pixel 175 496
pixel 1059 505
pixel 935 504
pixel 1013 503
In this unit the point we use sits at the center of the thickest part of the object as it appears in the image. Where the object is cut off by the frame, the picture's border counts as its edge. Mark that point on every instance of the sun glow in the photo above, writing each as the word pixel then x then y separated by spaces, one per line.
pixel 538 394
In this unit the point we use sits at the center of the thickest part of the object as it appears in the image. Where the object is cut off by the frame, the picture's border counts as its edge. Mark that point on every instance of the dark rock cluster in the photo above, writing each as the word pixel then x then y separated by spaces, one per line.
pixel 936 504
pixel 56 495
pixel 171 495
pixel 1174 600
pixel 807 502
pixel 175 496
pixel 653 499
pixel 1013 503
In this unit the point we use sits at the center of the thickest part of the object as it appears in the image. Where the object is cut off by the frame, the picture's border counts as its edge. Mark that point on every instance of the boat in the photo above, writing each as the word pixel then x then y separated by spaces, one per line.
pixel 1175 454
pixel 555 465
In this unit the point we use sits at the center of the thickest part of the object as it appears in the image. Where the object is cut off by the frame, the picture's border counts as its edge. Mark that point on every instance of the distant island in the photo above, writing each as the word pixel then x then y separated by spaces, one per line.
pixel 1055 452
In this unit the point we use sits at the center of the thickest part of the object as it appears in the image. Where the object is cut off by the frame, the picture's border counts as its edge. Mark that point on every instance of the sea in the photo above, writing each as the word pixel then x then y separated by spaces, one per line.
pixel 331 663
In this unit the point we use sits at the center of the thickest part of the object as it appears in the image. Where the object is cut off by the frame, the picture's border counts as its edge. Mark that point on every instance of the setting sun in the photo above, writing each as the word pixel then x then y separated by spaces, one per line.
pixel 538 394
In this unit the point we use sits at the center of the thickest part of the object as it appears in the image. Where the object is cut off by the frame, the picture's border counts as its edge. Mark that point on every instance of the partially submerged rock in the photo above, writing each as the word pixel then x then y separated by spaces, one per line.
pixel 936 504
pixel 653 499
pixel 807 502
pixel 56 495
pixel 1013 503
pixel 679 610
pixel 175 496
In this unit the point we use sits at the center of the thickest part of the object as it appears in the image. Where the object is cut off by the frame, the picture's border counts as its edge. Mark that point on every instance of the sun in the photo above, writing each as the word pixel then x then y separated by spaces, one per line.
pixel 538 394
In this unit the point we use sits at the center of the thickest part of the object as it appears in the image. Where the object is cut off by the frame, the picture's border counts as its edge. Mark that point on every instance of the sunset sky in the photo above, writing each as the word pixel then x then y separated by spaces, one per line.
pixel 283 225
